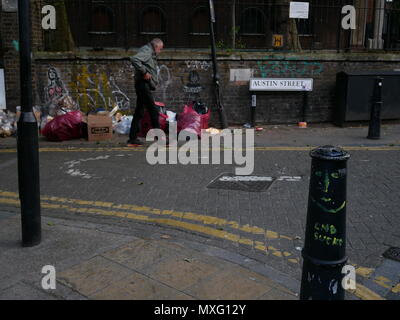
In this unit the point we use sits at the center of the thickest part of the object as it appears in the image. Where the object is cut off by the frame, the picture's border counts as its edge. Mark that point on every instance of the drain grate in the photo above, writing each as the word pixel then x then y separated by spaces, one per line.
pixel 392 253
pixel 229 181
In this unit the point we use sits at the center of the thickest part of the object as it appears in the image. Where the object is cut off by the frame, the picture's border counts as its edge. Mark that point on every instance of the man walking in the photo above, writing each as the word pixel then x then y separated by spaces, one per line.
pixel 146 81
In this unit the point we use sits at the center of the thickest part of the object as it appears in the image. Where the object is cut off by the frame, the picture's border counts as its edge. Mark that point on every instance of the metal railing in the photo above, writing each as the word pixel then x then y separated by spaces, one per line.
pixel 240 24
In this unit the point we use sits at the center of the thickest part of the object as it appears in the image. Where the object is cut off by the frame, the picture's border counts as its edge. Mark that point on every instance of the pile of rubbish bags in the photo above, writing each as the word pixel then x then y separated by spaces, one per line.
pixel 122 123
pixel 70 125
pixel 8 124
pixel 66 122
pixel 193 119
pixel 64 127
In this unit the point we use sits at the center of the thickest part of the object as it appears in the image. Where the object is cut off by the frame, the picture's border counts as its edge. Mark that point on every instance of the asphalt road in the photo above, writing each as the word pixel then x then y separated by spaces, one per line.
pixel 116 185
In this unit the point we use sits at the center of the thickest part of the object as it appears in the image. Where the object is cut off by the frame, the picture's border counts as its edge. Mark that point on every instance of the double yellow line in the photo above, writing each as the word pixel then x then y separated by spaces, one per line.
pixel 143 149
pixel 164 217
pixel 207 225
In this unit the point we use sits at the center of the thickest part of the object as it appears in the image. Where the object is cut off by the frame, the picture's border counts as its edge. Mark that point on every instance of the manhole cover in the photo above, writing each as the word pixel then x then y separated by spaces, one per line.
pixel 229 181
pixel 393 254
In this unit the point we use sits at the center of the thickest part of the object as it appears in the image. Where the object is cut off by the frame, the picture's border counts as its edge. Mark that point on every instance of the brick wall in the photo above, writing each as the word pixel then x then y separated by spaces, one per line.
pixel 9 37
pixel 186 76
pixel 105 78
pixel 10 44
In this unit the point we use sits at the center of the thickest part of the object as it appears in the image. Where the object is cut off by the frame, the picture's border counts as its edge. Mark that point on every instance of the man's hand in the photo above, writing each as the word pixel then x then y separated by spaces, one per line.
pixel 147 76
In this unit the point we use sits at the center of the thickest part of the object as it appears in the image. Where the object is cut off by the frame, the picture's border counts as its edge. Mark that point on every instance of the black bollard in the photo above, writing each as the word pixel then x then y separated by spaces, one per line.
pixel 374 131
pixel 324 252
pixel 27 140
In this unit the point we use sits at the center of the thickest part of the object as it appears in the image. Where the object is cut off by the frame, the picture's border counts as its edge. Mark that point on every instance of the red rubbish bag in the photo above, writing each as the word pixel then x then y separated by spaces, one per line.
pixel 65 127
pixel 190 121
pixel 145 123
pixel 204 119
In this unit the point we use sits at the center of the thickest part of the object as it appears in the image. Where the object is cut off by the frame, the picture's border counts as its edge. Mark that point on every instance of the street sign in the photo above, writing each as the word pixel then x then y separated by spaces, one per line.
pixel 281 84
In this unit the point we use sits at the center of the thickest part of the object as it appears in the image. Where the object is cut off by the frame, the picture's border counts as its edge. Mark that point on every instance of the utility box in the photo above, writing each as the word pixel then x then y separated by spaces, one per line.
pixel 354 94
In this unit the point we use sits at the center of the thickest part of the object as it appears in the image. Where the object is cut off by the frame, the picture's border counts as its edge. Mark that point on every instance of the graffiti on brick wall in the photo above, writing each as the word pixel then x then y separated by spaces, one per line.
pixel 164 76
pixel 97 90
pixel 55 89
pixel 199 65
pixel 291 68
pixel 56 95
pixel 87 92
pixel 15 44
pixel 193 86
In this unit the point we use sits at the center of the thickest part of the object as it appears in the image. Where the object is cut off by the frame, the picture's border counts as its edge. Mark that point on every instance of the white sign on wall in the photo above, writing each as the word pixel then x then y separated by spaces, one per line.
pixel 2 91
pixel 277 84
pixel 241 74
pixel 299 10
pixel 9 5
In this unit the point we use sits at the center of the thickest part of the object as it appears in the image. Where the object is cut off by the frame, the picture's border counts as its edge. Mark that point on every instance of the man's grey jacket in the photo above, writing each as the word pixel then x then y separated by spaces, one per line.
pixel 145 61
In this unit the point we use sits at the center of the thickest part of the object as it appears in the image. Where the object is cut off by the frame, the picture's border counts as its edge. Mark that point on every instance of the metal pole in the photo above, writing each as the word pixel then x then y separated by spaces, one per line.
pixel 221 111
pixel 378 23
pixel 253 111
pixel 27 140
pixel 303 122
pixel 339 33
pixel 324 251
pixel 305 106
pixel 233 24
pixel 374 131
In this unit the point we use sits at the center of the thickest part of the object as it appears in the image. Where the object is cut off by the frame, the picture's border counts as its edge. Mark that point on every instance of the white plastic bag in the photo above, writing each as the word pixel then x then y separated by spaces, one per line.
pixel 171 116
pixel 124 126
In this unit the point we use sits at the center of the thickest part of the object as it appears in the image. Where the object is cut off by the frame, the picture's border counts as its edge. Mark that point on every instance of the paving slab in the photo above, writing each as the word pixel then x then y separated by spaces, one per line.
pixel 93 275
pixel 231 284
pixel 139 287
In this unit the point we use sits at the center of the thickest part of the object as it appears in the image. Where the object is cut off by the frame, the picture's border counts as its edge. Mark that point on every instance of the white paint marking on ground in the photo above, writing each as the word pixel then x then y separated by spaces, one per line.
pixel 288 178
pixel 257 178
pixel 77 173
pixel 245 178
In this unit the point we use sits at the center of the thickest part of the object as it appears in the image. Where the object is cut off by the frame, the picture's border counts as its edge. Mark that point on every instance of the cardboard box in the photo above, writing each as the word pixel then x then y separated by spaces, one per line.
pixel 97 127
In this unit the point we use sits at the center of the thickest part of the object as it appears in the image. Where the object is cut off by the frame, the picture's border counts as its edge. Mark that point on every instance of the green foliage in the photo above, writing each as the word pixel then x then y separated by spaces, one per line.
pixel 239 44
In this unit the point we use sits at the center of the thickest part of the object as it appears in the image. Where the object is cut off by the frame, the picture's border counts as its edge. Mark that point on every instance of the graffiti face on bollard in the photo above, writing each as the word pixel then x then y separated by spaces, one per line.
pixel 326 196
pixel 326 217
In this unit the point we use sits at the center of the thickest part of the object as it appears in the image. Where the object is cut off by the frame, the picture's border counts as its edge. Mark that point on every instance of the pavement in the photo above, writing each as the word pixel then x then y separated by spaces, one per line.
pixel 116 227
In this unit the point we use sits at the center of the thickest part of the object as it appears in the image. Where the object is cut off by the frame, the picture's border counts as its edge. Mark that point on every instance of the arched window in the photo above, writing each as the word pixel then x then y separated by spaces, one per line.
pixel 199 22
pixel 252 22
pixel 102 20
pixel 152 21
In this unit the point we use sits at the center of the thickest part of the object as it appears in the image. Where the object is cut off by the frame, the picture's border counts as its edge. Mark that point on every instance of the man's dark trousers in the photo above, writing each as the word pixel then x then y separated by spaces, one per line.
pixel 144 100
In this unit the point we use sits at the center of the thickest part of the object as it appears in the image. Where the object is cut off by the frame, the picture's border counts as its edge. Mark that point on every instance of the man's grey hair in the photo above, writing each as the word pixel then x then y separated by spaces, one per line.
pixel 156 42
